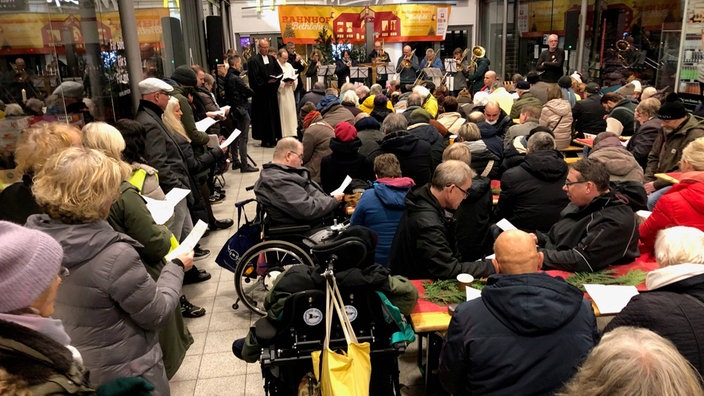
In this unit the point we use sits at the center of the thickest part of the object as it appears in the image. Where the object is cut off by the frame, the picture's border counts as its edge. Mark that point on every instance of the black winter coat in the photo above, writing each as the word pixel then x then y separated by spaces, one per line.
pixel 526 335
pixel 368 131
pixel 344 160
pixel 642 141
pixel 673 311
pixel 430 134
pixel 237 93
pixel 473 217
pixel 588 239
pixel 413 154
pixel 588 115
pixel 424 245
pixel 531 193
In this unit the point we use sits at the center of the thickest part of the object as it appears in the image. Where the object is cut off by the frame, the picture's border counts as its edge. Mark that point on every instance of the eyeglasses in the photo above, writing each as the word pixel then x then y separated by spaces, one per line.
pixel 299 155
pixel 63 272
pixel 465 192
pixel 569 183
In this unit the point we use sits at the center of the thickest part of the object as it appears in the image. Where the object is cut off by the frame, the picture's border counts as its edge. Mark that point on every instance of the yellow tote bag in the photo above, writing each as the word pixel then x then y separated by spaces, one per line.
pixel 343 374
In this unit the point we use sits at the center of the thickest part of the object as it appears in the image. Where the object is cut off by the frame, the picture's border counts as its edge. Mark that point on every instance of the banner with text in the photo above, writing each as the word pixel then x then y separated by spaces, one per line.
pixel 392 23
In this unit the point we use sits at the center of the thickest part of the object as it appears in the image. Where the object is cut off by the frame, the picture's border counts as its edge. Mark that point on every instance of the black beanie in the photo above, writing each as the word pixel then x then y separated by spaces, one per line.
pixel 184 75
pixel 672 109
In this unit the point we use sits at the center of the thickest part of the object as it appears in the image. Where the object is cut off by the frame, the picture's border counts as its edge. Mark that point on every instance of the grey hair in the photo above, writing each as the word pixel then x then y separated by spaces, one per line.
pixel 451 172
pixel 350 97
pixel 394 122
pixel 376 89
pixel 414 99
pixel 679 245
pixel 541 141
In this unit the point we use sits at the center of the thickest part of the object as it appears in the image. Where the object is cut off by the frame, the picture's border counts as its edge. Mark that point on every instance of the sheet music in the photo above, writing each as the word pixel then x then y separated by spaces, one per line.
pixel 610 299
pixel 343 186
pixel 162 210
pixel 190 242
pixel 205 123
pixel 230 139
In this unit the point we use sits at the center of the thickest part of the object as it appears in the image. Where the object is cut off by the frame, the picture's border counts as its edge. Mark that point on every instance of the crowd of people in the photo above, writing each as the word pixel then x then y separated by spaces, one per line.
pixel 423 160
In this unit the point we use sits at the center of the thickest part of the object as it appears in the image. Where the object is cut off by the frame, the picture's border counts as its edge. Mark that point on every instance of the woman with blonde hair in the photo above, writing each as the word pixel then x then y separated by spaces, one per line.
pixel 110 306
pixel 633 361
pixel 683 204
pixel 198 166
pixel 35 145
pixel 557 115
pixel 129 215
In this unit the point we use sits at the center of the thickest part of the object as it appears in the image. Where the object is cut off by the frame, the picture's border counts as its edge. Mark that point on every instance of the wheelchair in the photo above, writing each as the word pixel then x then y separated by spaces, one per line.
pixel 286 354
pixel 275 248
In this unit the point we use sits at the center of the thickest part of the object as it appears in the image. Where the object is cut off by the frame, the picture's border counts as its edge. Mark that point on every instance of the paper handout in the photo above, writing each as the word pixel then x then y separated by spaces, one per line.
pixel 190 242
pixel 162 211
pixel 644 214
pixel 472 293
pixel 205 123
pixel 343 186
pixel 610 299
pixel 230 138
pixel 505 225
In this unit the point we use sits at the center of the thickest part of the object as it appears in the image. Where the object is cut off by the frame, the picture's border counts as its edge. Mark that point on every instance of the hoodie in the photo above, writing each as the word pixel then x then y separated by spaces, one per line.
pixel 369 132
pixel 413 154
pixel 380 209
pixel 539 326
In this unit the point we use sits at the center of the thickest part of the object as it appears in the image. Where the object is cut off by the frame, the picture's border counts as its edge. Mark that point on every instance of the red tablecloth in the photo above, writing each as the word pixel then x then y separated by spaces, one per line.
pixel 646 264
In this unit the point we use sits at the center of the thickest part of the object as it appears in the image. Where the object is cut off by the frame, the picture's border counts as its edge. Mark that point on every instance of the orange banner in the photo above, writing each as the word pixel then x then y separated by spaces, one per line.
pixel 20 31
pixel 392 23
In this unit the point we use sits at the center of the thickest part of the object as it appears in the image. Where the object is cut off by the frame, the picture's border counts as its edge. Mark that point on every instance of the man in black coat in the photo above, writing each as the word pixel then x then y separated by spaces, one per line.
pixel 262 70
pixel 526 335
pixel 588 114
pixel 424 245
pixel 413 153
pixel 236 95
pixel 597 228
pixel 551 61
pixel 531 193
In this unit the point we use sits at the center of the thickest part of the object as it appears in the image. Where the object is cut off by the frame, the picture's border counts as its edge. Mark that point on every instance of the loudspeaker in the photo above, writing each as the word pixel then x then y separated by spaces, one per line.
pixel 571 29
pixel 215 40
pixel 174 45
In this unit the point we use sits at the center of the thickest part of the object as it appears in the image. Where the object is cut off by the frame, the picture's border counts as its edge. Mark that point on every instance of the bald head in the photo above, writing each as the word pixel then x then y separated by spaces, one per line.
pixel 516 253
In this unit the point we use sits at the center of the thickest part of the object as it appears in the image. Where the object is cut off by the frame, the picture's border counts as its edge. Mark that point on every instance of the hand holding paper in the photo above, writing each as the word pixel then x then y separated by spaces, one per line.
pixel 230 139
pixel 343 186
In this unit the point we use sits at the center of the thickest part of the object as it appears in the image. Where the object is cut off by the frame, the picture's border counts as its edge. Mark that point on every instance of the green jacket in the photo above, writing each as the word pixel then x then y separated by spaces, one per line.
pixel 526 99
pixel 667 150
pixel 129 215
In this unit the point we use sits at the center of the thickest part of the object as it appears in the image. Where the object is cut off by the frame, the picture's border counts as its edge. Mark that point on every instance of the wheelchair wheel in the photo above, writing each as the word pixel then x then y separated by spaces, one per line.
pixel 260 266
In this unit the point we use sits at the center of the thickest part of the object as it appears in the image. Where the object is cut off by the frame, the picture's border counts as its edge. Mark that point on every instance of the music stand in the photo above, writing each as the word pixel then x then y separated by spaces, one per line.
pixel 450 65
pixel 435 74
pixel 325 72
pixel 385 69
pixel 359 72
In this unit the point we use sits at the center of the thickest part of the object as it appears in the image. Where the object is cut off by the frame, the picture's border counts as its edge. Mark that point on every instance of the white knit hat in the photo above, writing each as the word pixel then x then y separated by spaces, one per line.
pixel 29 262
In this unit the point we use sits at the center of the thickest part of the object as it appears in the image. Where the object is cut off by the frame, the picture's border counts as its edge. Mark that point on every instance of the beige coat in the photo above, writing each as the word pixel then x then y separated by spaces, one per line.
pixel 557 115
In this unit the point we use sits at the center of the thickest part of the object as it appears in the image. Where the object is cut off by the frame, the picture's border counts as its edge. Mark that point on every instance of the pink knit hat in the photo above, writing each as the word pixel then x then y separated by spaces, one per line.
pixel 29 262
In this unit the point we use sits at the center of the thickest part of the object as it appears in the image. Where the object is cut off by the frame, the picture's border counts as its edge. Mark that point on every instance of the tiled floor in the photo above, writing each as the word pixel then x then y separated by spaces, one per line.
pixel 210 368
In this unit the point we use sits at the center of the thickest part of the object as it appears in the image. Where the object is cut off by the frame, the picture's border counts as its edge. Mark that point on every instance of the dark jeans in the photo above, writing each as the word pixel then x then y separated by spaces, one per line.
pixel 242 123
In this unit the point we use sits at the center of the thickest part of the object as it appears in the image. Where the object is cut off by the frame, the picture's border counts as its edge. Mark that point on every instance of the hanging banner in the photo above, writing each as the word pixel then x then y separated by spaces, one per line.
pixel 392 23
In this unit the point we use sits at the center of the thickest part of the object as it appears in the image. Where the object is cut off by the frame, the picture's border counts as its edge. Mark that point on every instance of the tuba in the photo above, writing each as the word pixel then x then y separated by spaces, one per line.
pixel 477 52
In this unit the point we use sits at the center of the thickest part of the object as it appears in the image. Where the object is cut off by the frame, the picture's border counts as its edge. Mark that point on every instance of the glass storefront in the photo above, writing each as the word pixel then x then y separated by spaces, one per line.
pixel 619 37
pixel 45 43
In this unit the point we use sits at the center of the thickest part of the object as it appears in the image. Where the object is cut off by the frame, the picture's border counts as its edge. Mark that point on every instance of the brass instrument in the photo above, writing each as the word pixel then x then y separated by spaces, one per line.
pixel 477 52
pixel 407 61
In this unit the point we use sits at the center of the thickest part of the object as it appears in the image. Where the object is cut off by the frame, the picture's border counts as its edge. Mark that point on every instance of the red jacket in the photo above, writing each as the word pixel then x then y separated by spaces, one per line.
pixel 683 205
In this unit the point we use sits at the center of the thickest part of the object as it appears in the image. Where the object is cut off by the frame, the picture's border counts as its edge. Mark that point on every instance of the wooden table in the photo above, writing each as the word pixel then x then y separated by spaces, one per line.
pixel 430 321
